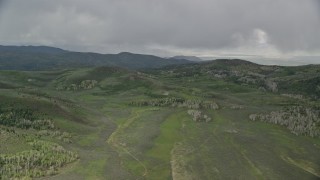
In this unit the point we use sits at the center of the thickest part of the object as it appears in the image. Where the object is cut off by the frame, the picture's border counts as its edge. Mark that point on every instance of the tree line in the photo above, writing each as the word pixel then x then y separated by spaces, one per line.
pixel 23 118
pixel 177 102
pixel 298 119
pixel 44 159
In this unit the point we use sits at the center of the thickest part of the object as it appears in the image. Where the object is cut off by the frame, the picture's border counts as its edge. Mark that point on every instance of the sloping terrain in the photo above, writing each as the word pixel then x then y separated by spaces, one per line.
pixel 180 122
pixel 302 80
pixel 32 58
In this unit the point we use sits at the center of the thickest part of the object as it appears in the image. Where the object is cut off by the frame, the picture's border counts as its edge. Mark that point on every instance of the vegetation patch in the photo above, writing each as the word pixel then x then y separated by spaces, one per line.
pixel 83 85
pixel 198 116
pixel 44 159
pixel 23 118
pixel 177 102
pixel 299 120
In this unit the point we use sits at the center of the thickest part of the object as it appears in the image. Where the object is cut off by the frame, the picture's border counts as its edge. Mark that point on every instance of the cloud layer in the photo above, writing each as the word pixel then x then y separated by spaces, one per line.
pixel 166 27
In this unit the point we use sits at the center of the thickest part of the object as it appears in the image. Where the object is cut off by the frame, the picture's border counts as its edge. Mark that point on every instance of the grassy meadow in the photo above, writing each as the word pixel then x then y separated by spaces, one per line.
pixel 120 129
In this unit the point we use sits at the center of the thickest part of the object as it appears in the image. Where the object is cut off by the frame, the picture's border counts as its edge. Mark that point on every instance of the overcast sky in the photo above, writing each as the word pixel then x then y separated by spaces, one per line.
pixel 269 28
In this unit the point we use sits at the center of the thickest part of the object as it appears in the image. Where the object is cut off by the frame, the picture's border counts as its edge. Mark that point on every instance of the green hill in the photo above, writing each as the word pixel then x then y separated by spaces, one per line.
pixel 224 119
pixel 303 80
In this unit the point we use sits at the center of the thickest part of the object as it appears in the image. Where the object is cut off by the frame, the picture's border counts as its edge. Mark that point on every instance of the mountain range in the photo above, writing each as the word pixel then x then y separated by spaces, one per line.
pixel 49 58
pixel 155 118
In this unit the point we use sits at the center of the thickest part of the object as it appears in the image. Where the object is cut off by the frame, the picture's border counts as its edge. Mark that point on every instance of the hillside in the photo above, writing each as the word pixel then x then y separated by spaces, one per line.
pixel 48 58
pixel 214 120
pixel 301 80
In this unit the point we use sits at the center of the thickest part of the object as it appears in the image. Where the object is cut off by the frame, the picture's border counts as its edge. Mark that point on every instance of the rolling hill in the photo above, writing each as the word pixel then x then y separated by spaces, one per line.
pixel 222 119
pixel 49 58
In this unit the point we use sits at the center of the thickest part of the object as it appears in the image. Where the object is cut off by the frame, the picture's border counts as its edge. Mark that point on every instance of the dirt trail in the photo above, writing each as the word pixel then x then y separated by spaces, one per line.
pixel 178 164
pixel 112 139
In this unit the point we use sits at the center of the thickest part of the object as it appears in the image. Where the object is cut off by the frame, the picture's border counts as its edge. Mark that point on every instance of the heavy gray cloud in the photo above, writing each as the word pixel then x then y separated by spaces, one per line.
pixel 166 27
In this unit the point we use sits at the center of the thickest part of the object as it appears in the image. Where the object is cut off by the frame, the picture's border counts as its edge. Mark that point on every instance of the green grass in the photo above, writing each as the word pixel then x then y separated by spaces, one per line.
pixel 117 141
pixel 93 170
pixel 160 154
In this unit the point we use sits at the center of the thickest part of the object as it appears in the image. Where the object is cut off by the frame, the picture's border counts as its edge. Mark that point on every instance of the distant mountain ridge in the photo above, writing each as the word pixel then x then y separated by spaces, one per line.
pixel 31 49
pixel 48 58
pixel 189 58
